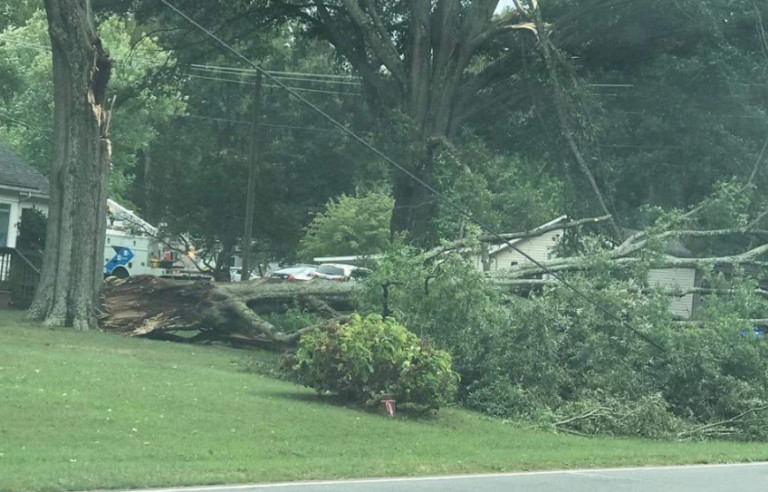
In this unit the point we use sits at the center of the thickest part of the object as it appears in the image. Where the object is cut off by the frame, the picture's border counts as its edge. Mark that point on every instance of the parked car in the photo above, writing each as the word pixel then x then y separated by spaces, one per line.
pixel 303 272
pixel 339 272
pixel 236 274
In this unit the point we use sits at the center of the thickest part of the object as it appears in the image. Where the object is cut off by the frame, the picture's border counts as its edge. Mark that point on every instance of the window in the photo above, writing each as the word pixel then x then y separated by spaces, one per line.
pixel 5 223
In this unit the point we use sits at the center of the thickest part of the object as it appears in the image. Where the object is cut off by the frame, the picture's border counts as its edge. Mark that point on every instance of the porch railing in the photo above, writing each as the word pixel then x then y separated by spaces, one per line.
pixel 19 275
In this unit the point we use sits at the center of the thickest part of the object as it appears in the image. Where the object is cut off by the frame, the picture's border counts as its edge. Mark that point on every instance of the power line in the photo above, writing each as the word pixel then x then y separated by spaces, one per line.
pixel 218 68
pixel 458 209
pixel 296 76
pixel 269 125
pixel 611 85
pixel 304 89
pixel 319 81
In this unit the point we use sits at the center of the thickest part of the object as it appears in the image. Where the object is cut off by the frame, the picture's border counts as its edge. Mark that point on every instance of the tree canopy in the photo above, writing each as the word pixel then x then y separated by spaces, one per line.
pixel 662 102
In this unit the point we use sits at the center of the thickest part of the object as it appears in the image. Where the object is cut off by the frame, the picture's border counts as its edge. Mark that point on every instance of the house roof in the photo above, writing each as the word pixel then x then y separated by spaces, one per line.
pixel 15 173
pixel 508 244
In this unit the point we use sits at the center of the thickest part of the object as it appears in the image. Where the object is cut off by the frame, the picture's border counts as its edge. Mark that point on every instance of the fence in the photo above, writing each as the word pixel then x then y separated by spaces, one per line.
pixel 19 275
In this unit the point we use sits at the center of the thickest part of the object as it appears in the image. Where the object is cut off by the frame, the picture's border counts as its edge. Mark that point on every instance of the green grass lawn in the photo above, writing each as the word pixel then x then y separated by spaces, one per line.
pixel 93 410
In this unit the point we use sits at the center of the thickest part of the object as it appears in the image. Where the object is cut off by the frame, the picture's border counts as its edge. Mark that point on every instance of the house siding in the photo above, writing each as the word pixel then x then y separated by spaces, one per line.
pixel 537 248
pixel 676 279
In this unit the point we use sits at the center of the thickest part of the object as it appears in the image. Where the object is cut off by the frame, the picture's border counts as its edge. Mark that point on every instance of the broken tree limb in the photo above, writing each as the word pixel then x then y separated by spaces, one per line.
pixel 166 309
pixel 513 236
pixel 701 206
pixel 488 238
pixel 663 261
pixel 634 242
pixel 704 429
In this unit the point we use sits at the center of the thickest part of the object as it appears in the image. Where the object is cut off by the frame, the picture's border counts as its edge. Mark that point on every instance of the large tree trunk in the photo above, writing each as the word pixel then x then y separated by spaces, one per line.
pixel 72 264
pixel 414 204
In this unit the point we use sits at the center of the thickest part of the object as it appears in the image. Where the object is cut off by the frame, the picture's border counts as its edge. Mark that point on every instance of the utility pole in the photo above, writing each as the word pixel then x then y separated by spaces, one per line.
pixel 250 201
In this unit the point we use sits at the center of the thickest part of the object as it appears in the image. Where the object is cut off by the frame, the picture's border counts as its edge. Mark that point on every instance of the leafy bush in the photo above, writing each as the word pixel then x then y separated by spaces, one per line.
pixel 31 230
pixel 368 359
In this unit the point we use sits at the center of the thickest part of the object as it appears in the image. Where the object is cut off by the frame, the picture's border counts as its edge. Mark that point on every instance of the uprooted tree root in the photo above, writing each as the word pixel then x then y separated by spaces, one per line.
pixel 202 311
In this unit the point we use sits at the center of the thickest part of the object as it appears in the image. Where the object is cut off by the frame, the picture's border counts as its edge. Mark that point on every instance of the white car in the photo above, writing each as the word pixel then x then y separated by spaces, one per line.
pixel 294 273
pixel 236 273
pixel 339 272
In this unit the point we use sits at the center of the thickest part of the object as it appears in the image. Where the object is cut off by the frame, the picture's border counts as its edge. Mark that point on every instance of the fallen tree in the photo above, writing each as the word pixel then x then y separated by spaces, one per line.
pixel 203 311
pixel 235 312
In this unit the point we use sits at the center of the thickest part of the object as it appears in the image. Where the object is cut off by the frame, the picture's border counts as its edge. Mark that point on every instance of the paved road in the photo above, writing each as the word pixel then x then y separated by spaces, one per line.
pixel 703 478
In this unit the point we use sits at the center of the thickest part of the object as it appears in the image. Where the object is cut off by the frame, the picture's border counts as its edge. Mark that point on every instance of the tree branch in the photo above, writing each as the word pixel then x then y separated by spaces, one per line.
pixel 560 104
pixel 497 26
pixel 702 205
pixel 488 238
pixel 380 44
pixel 498 97
pixel 665 261
pixel 703 428
pixel 356 56
pixel 630 246
pixel 496 70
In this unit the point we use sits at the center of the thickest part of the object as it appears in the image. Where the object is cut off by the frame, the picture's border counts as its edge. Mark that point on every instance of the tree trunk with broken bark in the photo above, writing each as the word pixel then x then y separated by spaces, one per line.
pixel 72 265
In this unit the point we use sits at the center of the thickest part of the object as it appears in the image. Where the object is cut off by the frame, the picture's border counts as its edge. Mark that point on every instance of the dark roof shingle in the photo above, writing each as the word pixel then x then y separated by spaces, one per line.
pixel 17 173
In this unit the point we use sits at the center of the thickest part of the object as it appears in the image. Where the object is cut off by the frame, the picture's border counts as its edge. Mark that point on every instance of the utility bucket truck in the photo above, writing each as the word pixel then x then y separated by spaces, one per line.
pixel 133 246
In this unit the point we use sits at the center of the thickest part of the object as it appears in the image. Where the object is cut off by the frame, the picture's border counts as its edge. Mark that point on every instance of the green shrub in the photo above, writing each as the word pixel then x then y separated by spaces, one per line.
pixel 353 225
pixel 368 359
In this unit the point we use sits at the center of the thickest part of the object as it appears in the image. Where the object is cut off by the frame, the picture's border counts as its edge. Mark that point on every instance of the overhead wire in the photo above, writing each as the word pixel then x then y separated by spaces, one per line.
pixel 296 76
pixel 304 89
pixel 456 208
pixel 269 125
pixel 219 68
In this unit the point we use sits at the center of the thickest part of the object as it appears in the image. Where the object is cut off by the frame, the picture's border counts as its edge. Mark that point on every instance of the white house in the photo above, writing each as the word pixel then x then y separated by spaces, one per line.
pixel 540 248
pixel 21 187
pixel 503 256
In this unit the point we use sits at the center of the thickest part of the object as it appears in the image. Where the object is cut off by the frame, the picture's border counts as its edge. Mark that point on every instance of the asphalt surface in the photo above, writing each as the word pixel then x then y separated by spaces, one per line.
pixel 700 478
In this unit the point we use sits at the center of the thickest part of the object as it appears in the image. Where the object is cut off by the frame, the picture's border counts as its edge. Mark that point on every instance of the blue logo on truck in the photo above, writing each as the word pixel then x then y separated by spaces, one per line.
pixel 122 257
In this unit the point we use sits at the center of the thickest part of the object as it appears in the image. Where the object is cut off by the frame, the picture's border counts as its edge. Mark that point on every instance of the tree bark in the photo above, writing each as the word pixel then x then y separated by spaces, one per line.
pixel 157 308
pixel 67 294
